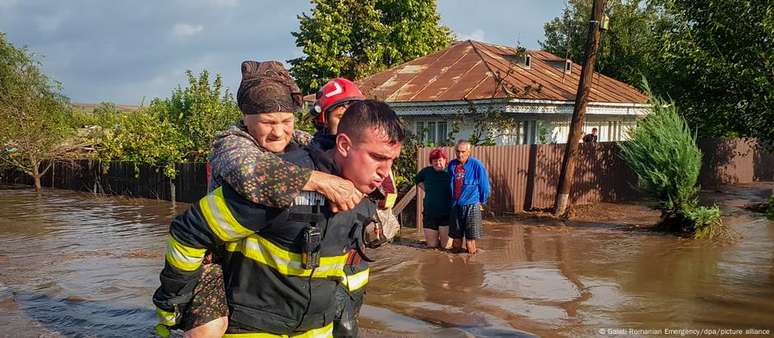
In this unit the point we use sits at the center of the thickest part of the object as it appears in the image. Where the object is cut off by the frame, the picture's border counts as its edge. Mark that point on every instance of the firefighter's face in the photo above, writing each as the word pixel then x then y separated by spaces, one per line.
pixel 366 161
pixel 273 131
pixel 334 117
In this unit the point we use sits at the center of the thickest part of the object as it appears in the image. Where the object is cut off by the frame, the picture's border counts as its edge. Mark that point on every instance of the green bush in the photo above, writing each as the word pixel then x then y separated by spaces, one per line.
pixel 405 167
pixel 142 137
pixel 706 221
pixel 662 152
pixel 198 111
pixel 770 211
pixel 168 131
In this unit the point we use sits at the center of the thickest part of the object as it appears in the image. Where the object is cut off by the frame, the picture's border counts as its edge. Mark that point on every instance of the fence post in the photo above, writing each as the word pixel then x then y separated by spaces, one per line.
pixel 98 178
pixel 172 190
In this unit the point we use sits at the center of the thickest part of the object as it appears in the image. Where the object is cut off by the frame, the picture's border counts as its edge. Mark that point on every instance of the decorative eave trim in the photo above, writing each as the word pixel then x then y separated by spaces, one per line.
pixel 516 106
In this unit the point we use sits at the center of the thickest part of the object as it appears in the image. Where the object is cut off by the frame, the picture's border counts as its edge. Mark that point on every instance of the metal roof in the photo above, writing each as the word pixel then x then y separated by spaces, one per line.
pixel 472 70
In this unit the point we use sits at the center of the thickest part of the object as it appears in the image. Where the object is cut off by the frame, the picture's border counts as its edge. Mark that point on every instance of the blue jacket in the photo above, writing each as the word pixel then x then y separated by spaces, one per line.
pixel 475 187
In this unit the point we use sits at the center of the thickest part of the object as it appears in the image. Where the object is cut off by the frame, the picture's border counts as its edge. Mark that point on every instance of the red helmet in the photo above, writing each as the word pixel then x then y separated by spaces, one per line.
pixel 336 92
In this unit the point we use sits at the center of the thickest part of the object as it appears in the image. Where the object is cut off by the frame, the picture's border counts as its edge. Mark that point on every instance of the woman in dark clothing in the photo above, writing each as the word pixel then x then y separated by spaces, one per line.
pixel 434 179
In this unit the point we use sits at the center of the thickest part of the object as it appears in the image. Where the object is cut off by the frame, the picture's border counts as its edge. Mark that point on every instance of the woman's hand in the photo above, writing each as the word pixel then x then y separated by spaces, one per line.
pixel 341 193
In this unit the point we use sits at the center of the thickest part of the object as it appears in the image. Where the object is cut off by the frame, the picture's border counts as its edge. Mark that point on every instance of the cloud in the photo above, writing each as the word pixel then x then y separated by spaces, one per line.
pixel 184 30
pixel 503 21
pixel 224 3
pixel 477 35
pixel 138 51
pixel 7 3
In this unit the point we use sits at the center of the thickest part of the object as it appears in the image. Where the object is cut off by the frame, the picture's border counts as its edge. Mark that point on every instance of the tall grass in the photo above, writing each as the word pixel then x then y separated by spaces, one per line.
pixel 662 152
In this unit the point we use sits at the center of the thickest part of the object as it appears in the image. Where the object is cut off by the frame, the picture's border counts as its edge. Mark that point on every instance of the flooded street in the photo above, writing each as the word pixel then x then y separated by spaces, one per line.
pixel 72 264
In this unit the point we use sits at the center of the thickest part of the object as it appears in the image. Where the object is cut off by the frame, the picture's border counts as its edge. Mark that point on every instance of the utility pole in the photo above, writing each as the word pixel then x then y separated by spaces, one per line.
pixel 578 114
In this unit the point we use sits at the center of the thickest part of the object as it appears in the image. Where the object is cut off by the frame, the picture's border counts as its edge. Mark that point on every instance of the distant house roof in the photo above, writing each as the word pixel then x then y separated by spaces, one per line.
pixel 472 70
pixel 91 106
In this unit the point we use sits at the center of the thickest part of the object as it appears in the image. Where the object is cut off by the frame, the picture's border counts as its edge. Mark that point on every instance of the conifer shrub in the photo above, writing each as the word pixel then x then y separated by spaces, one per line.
pixel 662 152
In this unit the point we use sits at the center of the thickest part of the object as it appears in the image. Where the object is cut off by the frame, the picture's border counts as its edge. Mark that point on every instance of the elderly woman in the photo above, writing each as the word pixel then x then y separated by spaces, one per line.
pixel 434 179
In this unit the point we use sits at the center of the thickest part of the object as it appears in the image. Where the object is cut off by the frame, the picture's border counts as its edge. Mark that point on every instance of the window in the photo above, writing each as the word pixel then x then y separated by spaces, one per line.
pixel 527 132
pixel 441 133
pixel 525 60
pixel 435 132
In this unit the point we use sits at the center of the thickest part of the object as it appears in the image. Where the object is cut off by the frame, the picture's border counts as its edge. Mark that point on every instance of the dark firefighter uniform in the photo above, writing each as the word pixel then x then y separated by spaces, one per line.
pixel 272 283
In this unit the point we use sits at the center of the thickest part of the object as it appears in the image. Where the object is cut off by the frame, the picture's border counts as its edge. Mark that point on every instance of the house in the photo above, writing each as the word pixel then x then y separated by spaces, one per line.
pixel 502 95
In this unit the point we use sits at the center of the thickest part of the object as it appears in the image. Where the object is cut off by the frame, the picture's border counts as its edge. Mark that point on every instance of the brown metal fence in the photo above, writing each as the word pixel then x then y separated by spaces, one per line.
pixel 121 178
pixel 524 177
pixel 728 161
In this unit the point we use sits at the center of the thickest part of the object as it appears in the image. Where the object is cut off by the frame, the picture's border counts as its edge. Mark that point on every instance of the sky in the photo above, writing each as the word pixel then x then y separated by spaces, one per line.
pixel 129 52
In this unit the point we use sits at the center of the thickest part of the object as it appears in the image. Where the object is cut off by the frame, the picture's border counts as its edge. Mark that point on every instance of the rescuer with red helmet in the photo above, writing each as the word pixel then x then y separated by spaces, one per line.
pixel 332 100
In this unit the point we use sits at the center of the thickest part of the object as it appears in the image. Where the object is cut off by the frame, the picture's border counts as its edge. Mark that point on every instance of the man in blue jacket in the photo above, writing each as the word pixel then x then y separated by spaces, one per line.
pixel 470 191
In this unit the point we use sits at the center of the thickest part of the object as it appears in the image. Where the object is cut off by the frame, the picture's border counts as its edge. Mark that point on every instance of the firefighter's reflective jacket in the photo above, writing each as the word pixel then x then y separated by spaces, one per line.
pixel 268 286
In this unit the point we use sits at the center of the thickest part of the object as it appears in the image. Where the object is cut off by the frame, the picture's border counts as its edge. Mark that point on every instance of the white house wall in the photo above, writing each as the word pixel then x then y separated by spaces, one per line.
pixel 612 129
pixel 612 121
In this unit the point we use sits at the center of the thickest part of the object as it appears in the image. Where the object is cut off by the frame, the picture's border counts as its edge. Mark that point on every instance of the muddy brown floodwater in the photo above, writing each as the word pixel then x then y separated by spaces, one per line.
pixel 73 264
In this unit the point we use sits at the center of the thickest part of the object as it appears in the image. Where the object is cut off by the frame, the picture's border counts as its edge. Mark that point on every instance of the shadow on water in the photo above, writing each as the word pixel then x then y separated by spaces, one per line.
pixel 83 318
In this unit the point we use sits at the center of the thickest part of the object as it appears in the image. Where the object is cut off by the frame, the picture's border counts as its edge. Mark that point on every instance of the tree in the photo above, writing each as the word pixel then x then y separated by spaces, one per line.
pixel 713 57
pixel 197 111
pixel 34 116
pixel 414 30
pixel 144 137
pixel 169 130
pixel 355 39
pixel 628 49
pixel 718 63
pixel 104 115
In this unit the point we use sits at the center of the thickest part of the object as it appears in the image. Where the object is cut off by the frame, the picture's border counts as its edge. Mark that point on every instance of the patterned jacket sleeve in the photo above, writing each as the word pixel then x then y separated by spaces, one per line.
pixel 260 176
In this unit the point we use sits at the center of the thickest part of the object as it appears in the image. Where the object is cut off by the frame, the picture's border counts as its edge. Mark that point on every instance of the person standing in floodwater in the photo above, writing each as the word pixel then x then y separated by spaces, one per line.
pixel 470 192
pixel 434 180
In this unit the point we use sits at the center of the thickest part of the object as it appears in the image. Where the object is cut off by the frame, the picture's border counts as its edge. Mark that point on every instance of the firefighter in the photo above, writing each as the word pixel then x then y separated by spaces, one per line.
pixel 332 101
pixel 282 266
pixel 238 158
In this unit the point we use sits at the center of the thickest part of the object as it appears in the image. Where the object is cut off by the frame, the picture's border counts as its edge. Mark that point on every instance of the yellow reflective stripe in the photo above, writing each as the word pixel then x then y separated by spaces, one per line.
pixel 165 317
pixel 162 330
pixel 220 219
pixel 286 262
pixel 356 281
pixel 183 257
pixel 323 332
